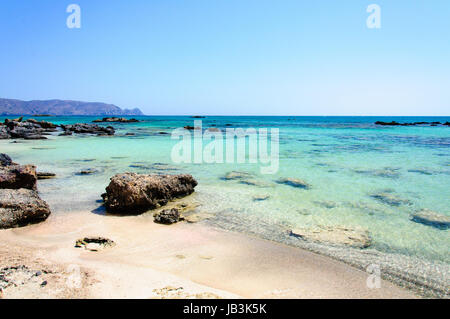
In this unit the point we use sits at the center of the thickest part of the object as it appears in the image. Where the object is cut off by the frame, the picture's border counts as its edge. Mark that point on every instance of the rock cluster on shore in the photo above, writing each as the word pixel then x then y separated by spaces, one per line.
pixel 32 129
pixel 131 193
pixel 20 203
pixel 29 129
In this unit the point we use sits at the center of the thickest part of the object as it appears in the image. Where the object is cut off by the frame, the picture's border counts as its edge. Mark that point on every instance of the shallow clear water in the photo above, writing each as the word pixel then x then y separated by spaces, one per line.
pixel 344 159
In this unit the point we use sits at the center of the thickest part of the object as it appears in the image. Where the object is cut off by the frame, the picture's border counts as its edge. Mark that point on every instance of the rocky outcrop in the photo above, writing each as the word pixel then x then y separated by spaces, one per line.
pixel 294 182
pixel 168 216
pixel 30 129
pixel 431 218
pixel 19 201
pixel 337 235
pixel 83 128
pixel 18 176
pixel 132 193
pixel 20 207
pixel 115 120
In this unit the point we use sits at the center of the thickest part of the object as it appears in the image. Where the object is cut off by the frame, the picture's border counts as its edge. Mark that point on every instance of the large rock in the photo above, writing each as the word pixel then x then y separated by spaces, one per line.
pixel 18 176
pixel 83 128
pixel 133 193
pixel 29 129
pixel 337 235
pixel 20 207
pixel 431 218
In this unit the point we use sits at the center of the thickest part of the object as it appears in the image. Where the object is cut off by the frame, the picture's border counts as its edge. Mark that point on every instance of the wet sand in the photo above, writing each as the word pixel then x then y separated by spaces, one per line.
pixel 178 261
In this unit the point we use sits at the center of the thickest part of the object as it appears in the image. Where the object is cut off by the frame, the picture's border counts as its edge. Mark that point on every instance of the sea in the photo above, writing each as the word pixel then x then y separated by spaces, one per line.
pixel 359 175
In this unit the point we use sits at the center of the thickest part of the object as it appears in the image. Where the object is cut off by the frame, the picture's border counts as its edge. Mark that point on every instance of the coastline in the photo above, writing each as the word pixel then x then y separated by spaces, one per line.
pixel 180 261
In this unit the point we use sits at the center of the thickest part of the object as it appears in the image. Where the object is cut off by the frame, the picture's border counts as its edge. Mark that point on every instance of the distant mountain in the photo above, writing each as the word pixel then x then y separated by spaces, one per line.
pixel 59 107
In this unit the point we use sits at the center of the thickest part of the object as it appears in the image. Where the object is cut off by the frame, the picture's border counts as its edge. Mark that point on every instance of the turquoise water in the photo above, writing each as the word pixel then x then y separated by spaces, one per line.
pixel 344 159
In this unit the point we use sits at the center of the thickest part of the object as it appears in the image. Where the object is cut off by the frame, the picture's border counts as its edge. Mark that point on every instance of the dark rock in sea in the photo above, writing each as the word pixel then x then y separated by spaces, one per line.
pixel 5 160
pixel 390 199
pixel 446 124
pixel 130 134
pixel 394 123
pixel 16 176
pixel 168 216
pixel 83 128
pixel 44 175
pixel 294 182
pixel 66 133
pixel 88 171
pixel 198 117
pixel 115 120
pixel 431 218
pixel 132 193
pixel 188 127
pixel 20 207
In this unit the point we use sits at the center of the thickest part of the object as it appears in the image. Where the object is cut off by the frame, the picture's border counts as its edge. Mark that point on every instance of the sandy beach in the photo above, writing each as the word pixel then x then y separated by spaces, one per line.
pixel 177 261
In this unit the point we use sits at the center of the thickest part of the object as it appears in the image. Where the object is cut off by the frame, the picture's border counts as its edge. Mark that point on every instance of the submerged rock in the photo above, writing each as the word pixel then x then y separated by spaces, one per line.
pixel 338 235
pixel 133 193
pixel 18 176
pixel 260 198
pixel 294 182
pixel 234 175
pixel 20 207
pixel 390 199
pixel 431 218
pixel 168 216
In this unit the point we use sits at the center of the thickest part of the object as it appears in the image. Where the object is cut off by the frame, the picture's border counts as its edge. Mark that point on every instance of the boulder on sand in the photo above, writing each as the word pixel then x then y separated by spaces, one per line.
pixel 18 176
pixel 132 193
pixel 168 216
pixel 20 207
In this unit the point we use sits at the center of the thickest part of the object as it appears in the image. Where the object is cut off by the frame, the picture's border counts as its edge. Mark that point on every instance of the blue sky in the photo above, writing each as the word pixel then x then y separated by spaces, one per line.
pixel 236 57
